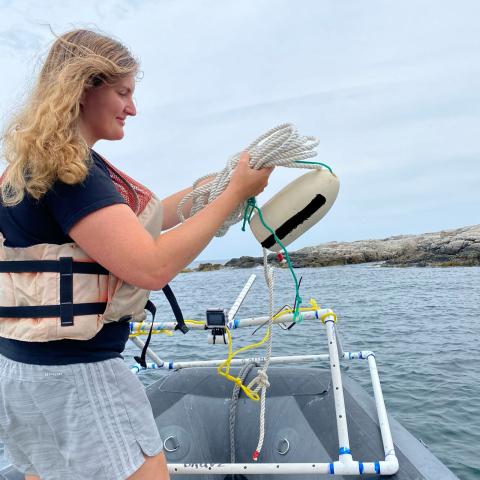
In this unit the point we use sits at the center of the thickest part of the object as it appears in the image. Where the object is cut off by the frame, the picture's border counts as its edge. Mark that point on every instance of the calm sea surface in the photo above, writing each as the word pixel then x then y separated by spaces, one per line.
pixel 422 323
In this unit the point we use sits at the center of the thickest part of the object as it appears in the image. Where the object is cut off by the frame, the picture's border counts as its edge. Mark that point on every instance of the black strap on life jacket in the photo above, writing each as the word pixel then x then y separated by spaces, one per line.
pixel 152 309
pixel 176 309
pixel 66 310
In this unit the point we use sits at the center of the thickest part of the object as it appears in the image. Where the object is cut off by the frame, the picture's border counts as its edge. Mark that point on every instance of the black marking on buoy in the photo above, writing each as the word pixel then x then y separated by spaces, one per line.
pixel 293 222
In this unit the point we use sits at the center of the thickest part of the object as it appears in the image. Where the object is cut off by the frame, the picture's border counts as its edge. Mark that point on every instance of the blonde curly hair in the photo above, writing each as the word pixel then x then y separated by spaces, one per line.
pixel 42 142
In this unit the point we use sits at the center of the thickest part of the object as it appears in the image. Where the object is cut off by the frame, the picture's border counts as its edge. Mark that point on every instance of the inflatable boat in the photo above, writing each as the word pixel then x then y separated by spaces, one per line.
pixel 310 421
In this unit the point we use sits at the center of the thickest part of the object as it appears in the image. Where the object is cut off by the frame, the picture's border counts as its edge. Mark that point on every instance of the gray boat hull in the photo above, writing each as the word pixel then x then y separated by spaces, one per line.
pixel 192 405
pixel 191 408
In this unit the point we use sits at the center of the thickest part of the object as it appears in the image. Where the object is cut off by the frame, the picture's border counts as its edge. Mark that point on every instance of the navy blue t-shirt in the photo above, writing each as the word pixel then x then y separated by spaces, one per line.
pixel 48 221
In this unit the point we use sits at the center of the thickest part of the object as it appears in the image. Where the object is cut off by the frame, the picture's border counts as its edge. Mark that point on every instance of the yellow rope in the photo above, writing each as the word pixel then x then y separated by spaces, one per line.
pixel 329 314
pixel 226 364
pixel 154 332
pixel 224 368
pixel 139 325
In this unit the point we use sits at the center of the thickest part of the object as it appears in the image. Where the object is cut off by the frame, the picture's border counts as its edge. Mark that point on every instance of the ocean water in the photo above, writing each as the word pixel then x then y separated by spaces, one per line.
pixel 422 323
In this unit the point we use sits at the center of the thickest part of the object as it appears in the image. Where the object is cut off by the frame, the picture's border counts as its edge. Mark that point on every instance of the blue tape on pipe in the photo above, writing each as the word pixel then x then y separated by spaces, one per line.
pixel 344 451
pixel 377 467
pixel 170 365
pixel 332 470
pixel 360 467
pixel 316 314
pixel 235 323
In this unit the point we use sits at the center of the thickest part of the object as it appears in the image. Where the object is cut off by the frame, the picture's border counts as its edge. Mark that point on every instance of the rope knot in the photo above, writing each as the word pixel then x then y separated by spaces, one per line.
pixel 238 381
pixel 260 381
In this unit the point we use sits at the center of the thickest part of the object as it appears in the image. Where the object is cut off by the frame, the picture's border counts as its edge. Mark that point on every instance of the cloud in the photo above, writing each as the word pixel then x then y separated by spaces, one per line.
pixel 391 89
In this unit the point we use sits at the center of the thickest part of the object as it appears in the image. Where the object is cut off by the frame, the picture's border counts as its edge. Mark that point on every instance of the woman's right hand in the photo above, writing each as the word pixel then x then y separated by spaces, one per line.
pixel 247 182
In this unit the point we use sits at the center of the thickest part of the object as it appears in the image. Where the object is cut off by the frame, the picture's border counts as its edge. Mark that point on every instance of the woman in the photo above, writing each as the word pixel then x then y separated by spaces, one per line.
pixel 69 406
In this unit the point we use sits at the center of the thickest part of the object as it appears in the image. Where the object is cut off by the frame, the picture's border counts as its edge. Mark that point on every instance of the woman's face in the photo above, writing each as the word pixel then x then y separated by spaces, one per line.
pixel 104 109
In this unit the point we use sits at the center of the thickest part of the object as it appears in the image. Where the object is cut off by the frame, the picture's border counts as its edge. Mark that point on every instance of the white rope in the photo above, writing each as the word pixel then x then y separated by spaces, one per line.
pixel 242 375
pixel 280 146
pixel 260 382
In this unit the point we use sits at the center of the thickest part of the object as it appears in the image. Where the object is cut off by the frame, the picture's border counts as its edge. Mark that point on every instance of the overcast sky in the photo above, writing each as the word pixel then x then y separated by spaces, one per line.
pixel 390 88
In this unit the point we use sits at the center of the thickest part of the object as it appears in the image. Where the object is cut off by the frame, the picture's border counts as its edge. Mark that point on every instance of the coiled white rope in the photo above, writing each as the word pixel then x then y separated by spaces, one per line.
pixel 280 146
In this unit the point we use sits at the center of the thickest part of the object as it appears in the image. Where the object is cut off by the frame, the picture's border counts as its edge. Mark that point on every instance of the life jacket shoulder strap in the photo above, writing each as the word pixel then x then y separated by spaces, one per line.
pixel 167 290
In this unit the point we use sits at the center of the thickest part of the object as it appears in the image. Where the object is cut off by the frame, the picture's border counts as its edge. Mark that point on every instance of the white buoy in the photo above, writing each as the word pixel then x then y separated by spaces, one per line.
pixel 296 208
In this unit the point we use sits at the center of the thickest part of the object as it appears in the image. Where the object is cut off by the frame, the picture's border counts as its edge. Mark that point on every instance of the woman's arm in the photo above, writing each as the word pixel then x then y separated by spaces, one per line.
pixel 114 237
pixel 170 205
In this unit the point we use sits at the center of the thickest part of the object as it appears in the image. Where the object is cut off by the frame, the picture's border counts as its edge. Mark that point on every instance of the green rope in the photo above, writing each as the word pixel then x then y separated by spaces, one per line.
pixel 315 163
pixel 249 209
pixel 251 206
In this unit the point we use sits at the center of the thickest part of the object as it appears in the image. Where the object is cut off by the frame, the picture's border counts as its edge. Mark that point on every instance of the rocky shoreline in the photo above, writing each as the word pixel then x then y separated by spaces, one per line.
pixel 448 248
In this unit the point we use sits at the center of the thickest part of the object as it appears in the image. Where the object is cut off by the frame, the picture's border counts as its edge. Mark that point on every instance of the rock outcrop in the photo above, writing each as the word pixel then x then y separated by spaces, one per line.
pixel 459 247
pixel 208 267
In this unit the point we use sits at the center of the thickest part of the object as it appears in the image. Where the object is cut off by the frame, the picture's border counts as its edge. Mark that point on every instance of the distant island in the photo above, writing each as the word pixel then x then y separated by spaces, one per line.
pixel 448 248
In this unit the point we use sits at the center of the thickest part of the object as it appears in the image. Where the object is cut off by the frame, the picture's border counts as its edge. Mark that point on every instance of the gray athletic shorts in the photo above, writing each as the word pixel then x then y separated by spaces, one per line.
pixel 82 421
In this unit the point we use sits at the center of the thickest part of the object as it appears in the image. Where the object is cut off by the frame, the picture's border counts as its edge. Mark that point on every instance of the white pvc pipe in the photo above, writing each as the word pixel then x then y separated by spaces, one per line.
pixel 150 353
pixel 150 366
pixel 343 441
pixel 288 317
pixel 382 412
pixel 363 355
pixel 243 361
pixel 240 323
pixel 241 297
pixel 248 468
pixel 338 468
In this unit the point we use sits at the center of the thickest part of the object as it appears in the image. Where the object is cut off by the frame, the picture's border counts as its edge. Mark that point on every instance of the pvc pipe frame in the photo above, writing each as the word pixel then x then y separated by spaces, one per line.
pixel 136 327
pixel 257 361
pixel 345 465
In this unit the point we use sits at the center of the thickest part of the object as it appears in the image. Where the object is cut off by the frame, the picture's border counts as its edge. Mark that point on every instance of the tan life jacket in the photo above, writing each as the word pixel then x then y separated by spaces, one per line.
pixel 53 292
